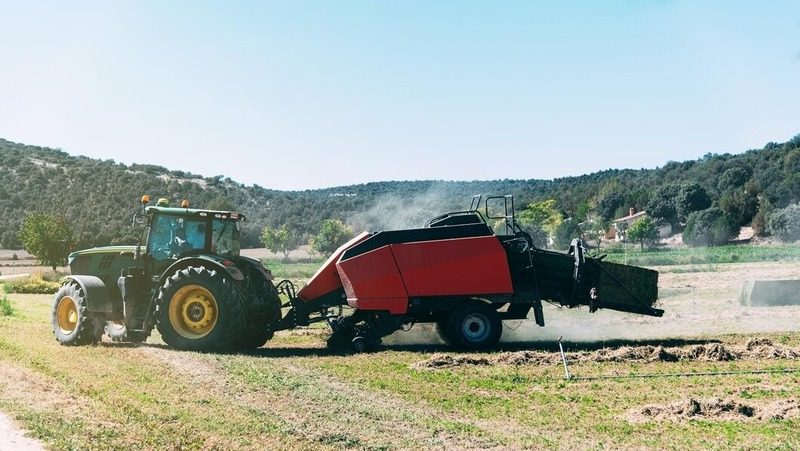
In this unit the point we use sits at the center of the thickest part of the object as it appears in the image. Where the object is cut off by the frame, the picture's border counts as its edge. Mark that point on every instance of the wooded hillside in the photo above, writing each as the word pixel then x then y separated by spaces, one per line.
pixel 98 197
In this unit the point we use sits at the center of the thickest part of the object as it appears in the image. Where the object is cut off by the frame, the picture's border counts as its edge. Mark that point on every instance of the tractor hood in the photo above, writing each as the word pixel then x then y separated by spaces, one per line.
pixel 101 250
pixel 103 262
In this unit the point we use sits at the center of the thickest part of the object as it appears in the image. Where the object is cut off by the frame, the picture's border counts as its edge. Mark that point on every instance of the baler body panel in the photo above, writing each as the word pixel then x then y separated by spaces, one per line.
pixel 326 280
pixel 385 278
pixel 372 281
pixel 464 266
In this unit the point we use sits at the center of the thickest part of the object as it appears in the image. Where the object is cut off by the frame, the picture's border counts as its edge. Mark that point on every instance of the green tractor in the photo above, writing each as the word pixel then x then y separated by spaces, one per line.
pixel 185 278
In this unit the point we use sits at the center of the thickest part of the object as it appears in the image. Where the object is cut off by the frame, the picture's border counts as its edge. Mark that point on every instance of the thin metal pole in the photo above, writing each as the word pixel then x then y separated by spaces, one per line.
pixel 567 376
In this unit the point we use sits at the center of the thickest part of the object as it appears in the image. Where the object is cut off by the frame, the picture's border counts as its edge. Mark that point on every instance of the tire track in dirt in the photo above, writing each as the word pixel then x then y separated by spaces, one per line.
pixel 11 437
pixel 328 411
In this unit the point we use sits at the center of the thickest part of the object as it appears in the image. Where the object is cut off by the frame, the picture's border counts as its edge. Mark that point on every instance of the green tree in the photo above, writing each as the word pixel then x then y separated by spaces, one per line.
pixel 332 234
pixel 741 205
pixel 761 219
pixel 785 223
pixel 662 204
pixel 733 178
pixel 220 203
pixel 709 227
pixel 691 197
pixel 281 240
pixel 566 231
pixel 608 204
pixel 643 231
pixel 47 237
pixel 543 215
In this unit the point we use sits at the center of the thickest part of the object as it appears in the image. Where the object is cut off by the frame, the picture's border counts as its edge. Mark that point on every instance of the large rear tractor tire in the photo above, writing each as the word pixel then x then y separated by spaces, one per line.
pixel 73 325
pixel 198 309
pixel 474 325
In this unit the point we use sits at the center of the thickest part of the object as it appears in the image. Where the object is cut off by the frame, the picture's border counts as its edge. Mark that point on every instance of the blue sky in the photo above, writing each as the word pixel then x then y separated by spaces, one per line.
pixel 307 94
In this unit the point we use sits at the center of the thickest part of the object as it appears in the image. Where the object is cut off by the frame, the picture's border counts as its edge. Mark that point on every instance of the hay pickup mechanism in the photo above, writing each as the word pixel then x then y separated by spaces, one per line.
pixel 191 283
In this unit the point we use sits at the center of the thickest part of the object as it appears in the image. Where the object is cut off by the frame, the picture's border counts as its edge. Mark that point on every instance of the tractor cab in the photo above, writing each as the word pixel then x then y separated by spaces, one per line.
pixel 174 234
pixel 178 232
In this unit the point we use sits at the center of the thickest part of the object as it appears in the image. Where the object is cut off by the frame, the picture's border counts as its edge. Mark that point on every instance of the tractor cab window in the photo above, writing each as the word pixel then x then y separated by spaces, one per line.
pixel 225 238
pixel 173 236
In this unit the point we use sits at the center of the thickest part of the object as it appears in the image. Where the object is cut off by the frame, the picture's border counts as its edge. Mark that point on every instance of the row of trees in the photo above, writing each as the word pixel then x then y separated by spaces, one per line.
pixel 97 197
pixel 332 234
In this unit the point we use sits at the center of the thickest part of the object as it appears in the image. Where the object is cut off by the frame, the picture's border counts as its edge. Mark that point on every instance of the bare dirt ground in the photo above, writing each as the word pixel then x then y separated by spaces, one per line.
pixel 13 438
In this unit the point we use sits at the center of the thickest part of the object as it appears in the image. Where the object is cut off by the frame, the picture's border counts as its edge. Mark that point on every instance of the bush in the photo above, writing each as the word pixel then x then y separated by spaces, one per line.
pixel 34 284
pixel 333 233
pixel 709 227
pixel 5 306
pixel 785 223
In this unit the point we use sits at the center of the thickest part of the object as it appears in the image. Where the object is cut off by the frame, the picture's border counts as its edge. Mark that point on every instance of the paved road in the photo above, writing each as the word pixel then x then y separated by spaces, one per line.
pixel 12 438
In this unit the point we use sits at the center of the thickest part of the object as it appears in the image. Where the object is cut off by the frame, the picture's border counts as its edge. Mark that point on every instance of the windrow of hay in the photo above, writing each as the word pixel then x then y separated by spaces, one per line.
pixel 448 360
pixel 716 409
pixel 760 348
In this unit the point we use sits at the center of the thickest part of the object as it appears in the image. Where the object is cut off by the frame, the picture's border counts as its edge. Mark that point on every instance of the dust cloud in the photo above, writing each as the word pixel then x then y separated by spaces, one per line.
pixel 395 212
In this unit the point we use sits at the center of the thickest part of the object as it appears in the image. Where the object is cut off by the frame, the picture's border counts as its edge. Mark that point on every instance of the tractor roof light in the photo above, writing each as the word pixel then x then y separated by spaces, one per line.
pixel 185 203
pixel 145 199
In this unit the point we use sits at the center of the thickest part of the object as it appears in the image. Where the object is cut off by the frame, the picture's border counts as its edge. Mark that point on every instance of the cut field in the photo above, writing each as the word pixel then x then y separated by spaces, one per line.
pixel 695 379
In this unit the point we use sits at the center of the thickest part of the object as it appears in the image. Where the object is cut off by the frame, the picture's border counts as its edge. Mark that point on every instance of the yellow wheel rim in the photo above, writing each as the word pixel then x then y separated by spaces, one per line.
pixel 67 315
pixel 193 312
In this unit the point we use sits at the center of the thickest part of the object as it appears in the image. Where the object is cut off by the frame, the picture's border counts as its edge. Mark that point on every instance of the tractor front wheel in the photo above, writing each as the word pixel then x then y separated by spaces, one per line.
pixel 73 325
pixel 198 309
pixel 474 325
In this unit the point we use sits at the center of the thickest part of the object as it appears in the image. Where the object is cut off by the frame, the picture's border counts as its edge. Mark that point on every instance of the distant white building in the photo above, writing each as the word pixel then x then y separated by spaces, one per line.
pixel 622 224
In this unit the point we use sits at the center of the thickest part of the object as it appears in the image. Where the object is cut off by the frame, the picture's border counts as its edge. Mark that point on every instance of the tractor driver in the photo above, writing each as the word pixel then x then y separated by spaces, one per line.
pixel 168 238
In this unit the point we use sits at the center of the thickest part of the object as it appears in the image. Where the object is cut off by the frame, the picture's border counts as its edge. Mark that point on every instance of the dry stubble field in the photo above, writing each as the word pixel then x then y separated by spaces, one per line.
pixel 416 394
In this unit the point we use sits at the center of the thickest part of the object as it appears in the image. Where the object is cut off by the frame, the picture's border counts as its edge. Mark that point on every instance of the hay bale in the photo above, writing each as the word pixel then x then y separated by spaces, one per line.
pixel 625 284
pixel 770 293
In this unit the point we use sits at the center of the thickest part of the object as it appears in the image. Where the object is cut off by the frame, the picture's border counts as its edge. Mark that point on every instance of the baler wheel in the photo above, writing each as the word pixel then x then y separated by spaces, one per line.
pixel 359 344
pixel 474 325
pixel 73 325
pixel 198 309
